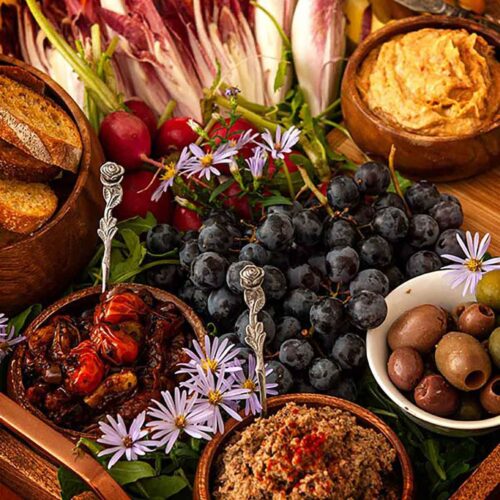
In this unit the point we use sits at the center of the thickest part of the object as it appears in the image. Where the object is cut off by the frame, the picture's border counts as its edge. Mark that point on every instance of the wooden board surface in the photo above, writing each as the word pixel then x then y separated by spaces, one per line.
pixel 480 195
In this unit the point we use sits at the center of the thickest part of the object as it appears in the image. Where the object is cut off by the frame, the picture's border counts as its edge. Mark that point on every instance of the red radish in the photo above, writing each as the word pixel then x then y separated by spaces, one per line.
pixel 125 138
pixel 138 202
pixel 186 220
pixel 173 135
pixel 231 199
pixel 140 109
pixel 288 161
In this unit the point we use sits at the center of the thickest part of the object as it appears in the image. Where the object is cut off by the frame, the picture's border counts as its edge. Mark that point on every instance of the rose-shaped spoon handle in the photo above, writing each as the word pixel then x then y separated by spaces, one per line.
pixel 111 178
pixel 251 278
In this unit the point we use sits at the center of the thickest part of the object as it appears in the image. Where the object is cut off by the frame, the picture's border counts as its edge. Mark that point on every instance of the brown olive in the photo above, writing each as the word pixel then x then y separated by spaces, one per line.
pixel 405 368
pixel 477 320
pixel 490 396
pixel 420 328
pixel 470 409
pixel 435 395
pixel 462 360
pixel 458 310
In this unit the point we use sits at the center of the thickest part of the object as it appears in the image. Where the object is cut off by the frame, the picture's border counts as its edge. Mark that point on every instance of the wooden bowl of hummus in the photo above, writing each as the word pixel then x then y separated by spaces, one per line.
pixel 310 445
pixel 430 87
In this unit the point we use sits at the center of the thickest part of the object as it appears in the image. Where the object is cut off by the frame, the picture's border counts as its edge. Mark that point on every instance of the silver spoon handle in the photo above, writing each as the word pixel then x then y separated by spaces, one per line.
pixel 111 178
pixel 251 278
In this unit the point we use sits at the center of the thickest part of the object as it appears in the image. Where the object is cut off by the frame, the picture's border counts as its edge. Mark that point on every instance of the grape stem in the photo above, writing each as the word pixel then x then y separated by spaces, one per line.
pixel 395 181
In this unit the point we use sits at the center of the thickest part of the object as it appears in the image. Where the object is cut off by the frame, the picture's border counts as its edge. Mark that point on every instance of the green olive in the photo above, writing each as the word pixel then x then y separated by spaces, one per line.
pixel 494 346
pixel 462 361
pixel 488 290
pixel 470 409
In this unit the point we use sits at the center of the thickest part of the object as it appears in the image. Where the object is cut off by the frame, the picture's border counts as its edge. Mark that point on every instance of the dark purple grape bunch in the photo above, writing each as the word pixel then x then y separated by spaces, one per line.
pixel 325 277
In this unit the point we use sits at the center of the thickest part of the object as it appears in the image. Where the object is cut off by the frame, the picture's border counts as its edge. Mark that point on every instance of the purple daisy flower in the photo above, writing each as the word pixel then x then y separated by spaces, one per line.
pixel 175 416
pixel 244 139
pixel 216 394
pixel 204 163
pixel 169 172
pixel 248 379
pixel 212 358
pixel 123 441
pixel 7 337
pixel 471 269
pixel 280 144
pixel 257 162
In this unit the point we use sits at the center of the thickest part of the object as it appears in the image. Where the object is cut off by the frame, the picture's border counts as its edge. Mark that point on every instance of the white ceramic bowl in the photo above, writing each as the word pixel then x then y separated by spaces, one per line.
pixel 433 288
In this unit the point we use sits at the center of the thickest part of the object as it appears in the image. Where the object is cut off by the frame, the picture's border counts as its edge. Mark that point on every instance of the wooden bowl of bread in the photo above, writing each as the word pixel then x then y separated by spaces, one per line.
pixel 430 87
pixel 50 196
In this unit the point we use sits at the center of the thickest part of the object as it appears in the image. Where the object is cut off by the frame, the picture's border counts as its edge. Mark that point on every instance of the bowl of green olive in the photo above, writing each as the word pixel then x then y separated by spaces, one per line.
pixel 437 354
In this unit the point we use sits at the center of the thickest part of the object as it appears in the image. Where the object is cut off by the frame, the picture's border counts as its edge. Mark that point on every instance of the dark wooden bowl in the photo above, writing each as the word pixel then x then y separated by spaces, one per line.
pixel 204 473
pixel 76 303
pixel 39 267
pixel 434 158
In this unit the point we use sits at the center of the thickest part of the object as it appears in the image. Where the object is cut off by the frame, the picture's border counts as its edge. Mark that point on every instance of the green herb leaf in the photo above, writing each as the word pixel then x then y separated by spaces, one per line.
pixel 220 189
pixel 163 486
pixel 71 485
pixel 136 253
pixel 23 318
pixel 277 199
pixel 130 472
pixel 91 446
pixel 139 225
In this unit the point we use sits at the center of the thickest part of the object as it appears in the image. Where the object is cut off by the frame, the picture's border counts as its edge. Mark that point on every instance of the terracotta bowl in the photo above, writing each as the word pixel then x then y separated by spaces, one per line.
pixel 40 266
pixel 434 158
pixel 76 303
pixel 205 472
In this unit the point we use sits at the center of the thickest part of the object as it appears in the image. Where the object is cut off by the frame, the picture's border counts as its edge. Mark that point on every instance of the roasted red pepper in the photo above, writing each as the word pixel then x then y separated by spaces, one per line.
pixel 84 369
pixel 114 344
pixel 126 306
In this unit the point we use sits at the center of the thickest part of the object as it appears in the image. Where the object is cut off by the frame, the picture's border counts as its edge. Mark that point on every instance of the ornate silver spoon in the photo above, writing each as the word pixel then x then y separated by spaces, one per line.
pixel 251 278
pixel 111 178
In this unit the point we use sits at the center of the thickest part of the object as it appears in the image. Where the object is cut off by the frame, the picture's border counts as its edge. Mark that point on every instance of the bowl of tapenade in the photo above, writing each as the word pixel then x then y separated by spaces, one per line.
pixel 430 87
pixel 92 354
pixel 309 446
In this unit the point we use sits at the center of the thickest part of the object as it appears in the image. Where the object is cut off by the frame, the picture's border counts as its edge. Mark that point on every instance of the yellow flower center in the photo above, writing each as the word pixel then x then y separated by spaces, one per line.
pixel 250 385
pixel 207 160
pixel 214 397
pixel 180 421
pixel 168 172
pixel 474 265
pixel 209 365
pixel 127 442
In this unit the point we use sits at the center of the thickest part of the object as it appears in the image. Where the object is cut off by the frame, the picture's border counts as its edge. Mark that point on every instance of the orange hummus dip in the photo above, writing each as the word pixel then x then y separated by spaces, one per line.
pixel 433 82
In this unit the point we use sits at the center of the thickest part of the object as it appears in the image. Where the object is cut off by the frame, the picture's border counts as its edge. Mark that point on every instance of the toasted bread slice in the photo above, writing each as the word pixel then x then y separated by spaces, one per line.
pixel 17 165
pixel 37 126
pixel 20 75
pixel 24 207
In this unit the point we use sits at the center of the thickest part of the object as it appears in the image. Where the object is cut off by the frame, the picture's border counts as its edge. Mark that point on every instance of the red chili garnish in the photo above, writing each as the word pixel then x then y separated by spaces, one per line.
pixel 114 345
pixel 84 369
pixel 126 306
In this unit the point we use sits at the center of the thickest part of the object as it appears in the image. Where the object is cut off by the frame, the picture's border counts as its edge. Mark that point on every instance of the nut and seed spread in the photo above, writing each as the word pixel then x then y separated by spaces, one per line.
pixel 304 452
